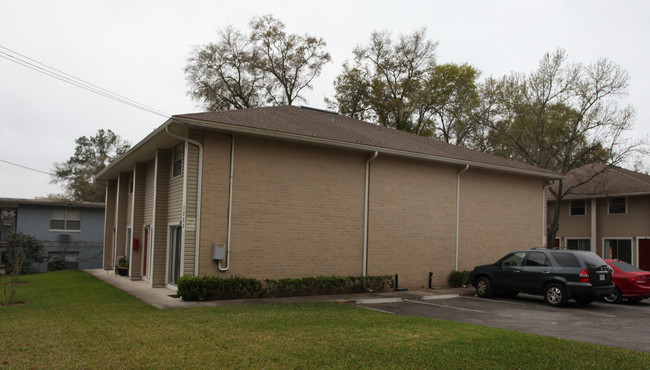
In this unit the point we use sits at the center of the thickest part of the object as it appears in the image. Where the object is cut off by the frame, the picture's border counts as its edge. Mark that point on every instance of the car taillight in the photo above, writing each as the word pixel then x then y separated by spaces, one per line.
pixel 584 276
pixel 639 279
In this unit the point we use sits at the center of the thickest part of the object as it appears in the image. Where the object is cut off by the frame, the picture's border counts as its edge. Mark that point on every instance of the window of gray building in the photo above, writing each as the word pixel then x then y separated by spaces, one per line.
pixel 65 220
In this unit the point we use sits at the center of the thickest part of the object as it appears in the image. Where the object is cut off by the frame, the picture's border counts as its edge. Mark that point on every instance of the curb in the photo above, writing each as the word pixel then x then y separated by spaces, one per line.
pixel 424 298
pixel 379 300
pixel 440 296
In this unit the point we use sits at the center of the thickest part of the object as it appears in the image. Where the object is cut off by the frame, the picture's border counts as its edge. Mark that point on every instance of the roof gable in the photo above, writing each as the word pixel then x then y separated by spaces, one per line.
pixel 605 181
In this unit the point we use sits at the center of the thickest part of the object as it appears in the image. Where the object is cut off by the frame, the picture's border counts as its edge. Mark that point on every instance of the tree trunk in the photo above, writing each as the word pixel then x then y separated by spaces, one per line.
pixel 554 225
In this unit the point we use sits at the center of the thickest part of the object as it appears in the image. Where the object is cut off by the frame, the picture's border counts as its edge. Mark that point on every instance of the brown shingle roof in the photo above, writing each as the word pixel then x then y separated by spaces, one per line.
pixel 608 181
pixel 305 123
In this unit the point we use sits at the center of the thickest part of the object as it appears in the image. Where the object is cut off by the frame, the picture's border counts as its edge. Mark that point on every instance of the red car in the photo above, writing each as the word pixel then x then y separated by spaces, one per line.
pixel 632 283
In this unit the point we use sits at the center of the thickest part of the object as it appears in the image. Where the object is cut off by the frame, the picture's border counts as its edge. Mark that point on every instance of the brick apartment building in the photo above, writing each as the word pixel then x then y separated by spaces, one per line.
pixel 293 191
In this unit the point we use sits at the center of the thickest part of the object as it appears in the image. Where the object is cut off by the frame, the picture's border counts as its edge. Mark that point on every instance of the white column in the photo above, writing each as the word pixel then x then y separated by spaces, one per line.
pixel 594 234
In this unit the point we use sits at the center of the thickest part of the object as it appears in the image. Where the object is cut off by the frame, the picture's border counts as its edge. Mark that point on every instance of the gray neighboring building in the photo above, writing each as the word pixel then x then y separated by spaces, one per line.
pixel 73 230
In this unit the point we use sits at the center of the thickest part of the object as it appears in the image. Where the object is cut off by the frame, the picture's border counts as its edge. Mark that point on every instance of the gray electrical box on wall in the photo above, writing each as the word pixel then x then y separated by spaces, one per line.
pixel 218 251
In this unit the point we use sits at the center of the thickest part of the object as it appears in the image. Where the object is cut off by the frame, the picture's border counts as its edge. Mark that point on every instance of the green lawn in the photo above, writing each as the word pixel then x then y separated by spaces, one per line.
pixel 72 319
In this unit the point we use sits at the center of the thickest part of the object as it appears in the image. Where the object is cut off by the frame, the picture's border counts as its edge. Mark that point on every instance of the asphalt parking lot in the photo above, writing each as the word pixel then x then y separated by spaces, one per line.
pixel 619 325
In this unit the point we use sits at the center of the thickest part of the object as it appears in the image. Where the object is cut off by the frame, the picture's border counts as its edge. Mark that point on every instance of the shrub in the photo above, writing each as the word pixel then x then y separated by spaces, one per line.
pixel 459 278
pixel 193 288
pixel 57 263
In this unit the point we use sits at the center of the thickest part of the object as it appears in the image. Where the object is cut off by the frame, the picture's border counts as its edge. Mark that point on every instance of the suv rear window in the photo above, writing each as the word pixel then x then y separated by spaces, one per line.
pixel 566 259
pixel 592 260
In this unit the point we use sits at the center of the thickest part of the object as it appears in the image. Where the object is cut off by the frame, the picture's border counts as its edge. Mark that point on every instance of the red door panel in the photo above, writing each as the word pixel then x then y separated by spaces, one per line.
pixel 644 254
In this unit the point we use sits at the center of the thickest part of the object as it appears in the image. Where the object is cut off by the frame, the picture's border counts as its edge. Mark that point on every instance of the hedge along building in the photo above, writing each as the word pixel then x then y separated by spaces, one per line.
pixel 292 192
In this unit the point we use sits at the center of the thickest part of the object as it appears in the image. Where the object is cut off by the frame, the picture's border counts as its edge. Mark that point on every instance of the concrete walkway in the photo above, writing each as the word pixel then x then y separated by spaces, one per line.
pixel 166 298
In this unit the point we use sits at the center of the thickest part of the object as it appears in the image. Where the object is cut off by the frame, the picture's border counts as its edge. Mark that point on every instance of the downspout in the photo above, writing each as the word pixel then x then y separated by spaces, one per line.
pixel 198 196
pixel 458 209
pixel 365 214
pixel 232 163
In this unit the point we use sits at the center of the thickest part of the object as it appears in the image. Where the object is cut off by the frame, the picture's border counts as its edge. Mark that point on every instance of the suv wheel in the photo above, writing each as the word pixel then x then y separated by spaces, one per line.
pixel 555 295
pixel 484 287
pixel 614 297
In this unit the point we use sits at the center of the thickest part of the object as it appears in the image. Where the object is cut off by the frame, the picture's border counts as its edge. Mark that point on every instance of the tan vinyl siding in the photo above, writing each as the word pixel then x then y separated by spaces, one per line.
pixel 148 212
pixel 138 199
pixel 191 209
pixel 109 224
pixel 578 226
pixel 122 213
pixel 161 197
pixel 633 223
pixel 148 192
pixel 175 210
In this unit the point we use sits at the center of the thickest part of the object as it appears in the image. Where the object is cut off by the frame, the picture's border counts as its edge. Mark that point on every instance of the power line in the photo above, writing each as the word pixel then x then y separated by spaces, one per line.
pixel 25 167
pixel 37 66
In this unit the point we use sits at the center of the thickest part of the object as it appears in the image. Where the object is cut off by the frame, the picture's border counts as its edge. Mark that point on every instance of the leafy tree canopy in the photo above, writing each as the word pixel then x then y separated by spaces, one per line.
pixel 266 66
pixel 92 154
pixel 397 83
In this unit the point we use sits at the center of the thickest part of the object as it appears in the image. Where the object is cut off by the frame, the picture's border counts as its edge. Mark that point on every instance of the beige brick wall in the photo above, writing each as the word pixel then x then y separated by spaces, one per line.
pixel 214 215
pixel 499 213
pixel 412 219
pixel 297 209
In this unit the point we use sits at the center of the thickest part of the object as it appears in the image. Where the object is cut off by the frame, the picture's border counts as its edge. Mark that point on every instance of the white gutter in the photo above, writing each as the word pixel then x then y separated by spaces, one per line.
pixel 198 196
pixel 232 163
pixel 458 209
pixel 365 214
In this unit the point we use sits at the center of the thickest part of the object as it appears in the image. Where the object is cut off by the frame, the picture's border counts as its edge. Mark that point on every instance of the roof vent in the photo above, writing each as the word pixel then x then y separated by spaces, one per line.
pixel 318 110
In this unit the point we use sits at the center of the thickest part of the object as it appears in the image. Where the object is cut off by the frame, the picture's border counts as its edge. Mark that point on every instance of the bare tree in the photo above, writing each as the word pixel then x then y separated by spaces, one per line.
pixel 560 117
pixel 265 67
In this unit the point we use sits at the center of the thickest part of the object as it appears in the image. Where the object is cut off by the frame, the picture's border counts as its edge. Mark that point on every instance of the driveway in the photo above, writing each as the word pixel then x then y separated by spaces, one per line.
pixel 620 325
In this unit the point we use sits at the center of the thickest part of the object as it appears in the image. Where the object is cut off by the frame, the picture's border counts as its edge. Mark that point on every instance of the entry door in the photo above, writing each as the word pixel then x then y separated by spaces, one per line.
pixel 174 260
pixel 644 254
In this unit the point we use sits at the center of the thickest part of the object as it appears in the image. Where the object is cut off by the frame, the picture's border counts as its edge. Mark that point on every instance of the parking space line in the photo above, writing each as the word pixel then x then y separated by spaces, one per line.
pixel 378 310
pixel 497 300
pixel 445 306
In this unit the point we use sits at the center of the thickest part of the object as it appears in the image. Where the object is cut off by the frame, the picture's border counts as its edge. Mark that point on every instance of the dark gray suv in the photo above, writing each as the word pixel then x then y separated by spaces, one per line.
pixel 558 275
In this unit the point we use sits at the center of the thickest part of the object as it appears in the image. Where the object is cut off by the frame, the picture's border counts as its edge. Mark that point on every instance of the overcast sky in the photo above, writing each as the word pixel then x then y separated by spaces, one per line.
pixel 138 49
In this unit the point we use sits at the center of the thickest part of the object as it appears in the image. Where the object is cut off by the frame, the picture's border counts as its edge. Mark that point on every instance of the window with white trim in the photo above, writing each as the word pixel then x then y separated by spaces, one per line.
pixel 177 164
pixel 617 205
pixel 578 207
pixel 578 244
pixel 65 220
